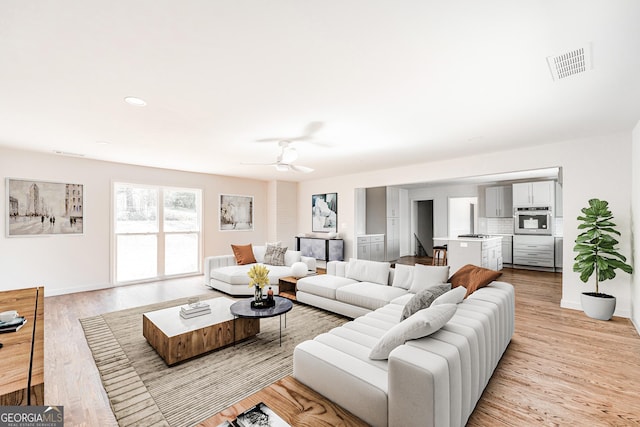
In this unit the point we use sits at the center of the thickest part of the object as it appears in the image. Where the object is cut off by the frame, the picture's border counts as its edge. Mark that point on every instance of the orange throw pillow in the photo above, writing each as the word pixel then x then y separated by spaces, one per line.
pixel 243 254
pixel 473 277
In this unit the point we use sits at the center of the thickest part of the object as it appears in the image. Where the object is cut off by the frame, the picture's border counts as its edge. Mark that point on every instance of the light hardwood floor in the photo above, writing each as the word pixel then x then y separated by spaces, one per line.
pixel 561 367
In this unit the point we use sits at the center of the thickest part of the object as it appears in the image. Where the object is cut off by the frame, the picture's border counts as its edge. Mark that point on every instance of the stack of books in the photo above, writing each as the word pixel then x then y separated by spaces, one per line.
pixel 258 416
pixel 12 325
pixel 195 310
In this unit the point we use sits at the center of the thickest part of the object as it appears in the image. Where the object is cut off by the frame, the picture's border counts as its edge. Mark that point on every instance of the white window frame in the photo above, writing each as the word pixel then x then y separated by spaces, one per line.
pixel 160 234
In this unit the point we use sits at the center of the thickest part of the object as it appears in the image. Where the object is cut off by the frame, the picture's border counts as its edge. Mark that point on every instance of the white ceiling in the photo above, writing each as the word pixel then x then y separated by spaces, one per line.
pixel 393 82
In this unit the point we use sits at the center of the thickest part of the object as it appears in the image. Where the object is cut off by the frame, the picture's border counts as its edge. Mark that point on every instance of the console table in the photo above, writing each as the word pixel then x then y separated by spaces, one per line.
pixel 321 248
pixel 22 354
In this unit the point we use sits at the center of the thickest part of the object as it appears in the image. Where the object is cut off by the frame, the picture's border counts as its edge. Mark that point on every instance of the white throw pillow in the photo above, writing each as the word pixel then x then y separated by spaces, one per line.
pixel 426 276
pixel 368 271
pixel 454 296
pixel 403 276
pixel 423 323
pixel 258 253
pixel 291 257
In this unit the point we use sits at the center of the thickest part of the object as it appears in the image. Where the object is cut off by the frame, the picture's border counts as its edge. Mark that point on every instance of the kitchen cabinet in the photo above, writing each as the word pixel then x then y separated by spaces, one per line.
pixel 507 249
pixel 483 252
pixel 529 194
pixel 393 202
pixel 558 257
pixel 558 206
pixel 393 224
pixel 498 202
pixel 371 247
pixel 534 251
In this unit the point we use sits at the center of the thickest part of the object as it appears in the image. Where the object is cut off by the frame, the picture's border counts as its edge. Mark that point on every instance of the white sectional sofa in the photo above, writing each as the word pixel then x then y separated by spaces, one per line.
pixel 353 288
pixel 223 273
pixel 435 380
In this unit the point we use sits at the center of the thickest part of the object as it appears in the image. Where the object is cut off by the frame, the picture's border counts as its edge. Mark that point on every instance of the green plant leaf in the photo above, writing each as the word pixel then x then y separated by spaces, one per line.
pixel 621 265
pixel 595 245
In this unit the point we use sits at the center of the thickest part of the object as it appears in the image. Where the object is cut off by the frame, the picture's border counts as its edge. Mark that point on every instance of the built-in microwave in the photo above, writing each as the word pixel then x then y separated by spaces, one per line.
pixel 533 220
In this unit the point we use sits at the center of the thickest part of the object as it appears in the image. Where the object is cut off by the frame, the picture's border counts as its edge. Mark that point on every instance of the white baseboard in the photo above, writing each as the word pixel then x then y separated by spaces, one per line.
pixel 575 305
pixel 48 292
pixel 637 326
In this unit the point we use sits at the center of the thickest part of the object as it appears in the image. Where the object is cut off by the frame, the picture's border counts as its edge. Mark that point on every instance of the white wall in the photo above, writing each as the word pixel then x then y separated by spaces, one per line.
pixel 592 167
pixel 282 225
pixel 635 221
pixel 70 263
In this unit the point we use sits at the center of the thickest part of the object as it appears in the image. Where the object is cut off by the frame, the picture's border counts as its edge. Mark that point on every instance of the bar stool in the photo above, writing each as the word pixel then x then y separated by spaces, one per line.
pixel 440 255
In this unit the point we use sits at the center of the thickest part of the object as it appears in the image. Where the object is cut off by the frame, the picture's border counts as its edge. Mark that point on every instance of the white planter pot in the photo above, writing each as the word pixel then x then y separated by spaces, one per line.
pixel 598 307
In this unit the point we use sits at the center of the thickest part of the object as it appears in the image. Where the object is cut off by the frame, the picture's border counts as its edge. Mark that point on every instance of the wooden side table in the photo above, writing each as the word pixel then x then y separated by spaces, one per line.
pixel 22 354
pixel 288 287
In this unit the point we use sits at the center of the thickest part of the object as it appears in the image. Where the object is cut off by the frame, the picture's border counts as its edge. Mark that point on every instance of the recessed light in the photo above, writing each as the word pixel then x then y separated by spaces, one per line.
pixel 132 100
pixel 103 142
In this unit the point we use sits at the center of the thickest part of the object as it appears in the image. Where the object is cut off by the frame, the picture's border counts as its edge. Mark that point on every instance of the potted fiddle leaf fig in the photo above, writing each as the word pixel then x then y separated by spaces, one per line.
pixel 597 254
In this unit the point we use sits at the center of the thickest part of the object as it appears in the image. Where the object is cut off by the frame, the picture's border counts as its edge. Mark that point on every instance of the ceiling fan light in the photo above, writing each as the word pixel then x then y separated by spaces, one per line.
pixel 289 154
pixel 282 168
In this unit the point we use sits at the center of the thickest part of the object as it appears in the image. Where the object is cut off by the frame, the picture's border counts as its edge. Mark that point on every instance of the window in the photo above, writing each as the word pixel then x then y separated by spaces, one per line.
pixel 156 232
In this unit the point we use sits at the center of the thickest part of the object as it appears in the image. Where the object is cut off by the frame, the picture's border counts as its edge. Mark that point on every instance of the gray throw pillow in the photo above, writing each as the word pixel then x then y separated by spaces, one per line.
pixel 423 299
pixel 274 255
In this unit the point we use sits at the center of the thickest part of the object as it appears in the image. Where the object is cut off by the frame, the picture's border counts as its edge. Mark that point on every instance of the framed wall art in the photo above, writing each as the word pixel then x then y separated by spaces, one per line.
pixel 324 213
pixel 36 208
pixel 236 213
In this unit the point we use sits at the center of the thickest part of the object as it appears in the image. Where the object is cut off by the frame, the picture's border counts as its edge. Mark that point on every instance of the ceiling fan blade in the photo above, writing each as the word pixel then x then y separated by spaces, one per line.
pixel 309 131
pixel 312 128
pixel 259 164
pixel 303 169
pixel 270 139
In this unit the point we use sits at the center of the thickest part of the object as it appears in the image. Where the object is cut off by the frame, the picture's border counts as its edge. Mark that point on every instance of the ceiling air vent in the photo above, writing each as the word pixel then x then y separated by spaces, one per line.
pixel 570 63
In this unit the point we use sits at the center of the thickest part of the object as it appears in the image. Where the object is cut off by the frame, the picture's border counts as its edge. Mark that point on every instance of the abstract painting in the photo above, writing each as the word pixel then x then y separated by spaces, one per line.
pixel 324 213
pixel 236 213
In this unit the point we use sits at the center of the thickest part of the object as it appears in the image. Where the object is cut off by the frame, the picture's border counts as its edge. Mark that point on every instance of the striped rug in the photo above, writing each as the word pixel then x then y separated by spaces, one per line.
pixel 144 391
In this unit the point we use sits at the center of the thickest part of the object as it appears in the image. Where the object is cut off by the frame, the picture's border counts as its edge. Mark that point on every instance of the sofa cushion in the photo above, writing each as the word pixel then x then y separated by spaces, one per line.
pixel 454 296
pixel 423 323
pixel 423 299
pixel 243 254
pixel 473 277
pixel 237 274
pixel 402 300
pixel 274 255
pixel 233 274
pixel 368 295
pixel 368 271
pixel 426 276
pixel 291 257
pixel 323 285
pixel 403 276
pixel 258 253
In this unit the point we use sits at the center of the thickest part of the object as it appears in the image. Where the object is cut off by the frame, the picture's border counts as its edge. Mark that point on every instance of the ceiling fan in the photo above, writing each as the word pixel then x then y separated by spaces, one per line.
pixel 307 135
pixel 284 161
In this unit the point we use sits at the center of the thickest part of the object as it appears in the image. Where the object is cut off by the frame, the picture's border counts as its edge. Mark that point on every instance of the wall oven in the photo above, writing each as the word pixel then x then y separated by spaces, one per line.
pixel 533 220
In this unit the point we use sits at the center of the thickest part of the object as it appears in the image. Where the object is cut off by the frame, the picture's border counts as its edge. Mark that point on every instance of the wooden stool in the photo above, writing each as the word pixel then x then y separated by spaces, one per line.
pixel 440 253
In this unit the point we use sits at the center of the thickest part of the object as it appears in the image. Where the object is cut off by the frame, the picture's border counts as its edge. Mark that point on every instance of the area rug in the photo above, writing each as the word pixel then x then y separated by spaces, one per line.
pixel 144 391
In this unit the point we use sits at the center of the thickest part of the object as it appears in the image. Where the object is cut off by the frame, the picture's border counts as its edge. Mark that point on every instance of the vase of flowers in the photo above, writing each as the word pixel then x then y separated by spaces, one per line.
pixel 259 278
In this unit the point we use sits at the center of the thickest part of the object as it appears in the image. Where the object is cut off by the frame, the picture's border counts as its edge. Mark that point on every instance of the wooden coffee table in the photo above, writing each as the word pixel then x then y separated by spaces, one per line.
pixel 177 339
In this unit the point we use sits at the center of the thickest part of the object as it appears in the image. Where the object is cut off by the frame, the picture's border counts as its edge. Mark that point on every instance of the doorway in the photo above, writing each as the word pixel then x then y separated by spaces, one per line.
pixel 424 228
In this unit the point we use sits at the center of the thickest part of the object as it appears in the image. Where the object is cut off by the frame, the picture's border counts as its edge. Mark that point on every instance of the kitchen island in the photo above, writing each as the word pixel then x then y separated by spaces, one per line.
pixel 480 249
